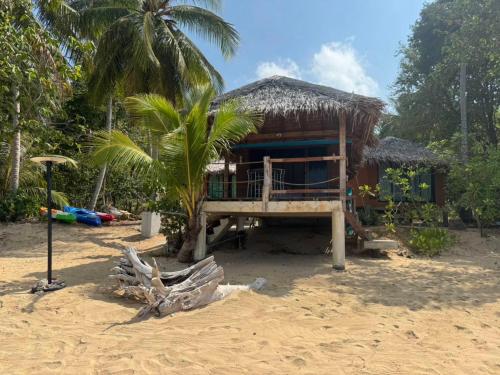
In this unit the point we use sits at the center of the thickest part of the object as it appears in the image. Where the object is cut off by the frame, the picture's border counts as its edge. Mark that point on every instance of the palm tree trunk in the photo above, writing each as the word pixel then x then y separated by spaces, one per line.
pixel 102 172
pixel 16 146
pixel 185 254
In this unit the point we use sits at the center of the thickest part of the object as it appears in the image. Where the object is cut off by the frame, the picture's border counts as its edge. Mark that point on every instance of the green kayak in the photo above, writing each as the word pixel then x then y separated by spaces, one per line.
pixel 65 217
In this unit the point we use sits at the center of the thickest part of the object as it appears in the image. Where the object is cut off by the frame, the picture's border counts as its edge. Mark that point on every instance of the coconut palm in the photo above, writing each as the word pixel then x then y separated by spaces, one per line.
pixel 141 45
pixel 188 140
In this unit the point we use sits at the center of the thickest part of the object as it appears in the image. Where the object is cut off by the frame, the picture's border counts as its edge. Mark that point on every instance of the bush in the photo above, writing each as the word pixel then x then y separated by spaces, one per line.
pixel 19 206
pixel 369 216
pixel 430 241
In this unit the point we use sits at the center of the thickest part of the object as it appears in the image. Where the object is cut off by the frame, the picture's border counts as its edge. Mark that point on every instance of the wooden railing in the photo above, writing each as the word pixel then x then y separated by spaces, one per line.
pixel 267 189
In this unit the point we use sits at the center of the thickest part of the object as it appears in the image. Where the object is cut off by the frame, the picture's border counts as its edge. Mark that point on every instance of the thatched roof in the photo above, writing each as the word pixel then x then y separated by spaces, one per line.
pixel 398 151
pixel 279 95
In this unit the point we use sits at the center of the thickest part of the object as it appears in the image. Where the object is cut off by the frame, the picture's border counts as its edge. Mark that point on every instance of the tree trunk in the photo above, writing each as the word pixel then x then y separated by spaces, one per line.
pixel 102 172
pixel 185 254
pixel 16 146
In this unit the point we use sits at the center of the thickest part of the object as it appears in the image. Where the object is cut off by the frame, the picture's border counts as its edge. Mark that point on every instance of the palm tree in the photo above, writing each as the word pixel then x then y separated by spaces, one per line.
pixel 141 46
pixel 188 140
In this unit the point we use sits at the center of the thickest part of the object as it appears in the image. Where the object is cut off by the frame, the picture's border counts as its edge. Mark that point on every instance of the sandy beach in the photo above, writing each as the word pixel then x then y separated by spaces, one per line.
pixel 382 316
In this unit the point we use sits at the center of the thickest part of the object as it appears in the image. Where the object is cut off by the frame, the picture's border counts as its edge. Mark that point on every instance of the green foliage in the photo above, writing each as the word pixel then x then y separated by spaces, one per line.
pixel 32 61
pixel 447 34
pixel 476 186
pixel 19 206
pixel 368 215
pixel 430 241
pixel 410 205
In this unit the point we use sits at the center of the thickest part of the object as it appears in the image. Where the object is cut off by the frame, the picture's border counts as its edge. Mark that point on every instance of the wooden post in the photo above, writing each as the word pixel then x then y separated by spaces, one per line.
pixel 343 160
pixel 240 223
pixel 201 243
pixel 266 188
pixel 226 178
pixel 338 239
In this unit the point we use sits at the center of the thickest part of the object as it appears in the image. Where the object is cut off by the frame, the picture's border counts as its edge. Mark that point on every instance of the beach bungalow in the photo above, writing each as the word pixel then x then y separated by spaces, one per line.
pixel 394 152
pixel 299 163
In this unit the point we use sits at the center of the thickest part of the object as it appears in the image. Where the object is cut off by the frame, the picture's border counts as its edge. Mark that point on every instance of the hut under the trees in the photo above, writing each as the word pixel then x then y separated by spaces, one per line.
pixel 299 162
pixel 391 152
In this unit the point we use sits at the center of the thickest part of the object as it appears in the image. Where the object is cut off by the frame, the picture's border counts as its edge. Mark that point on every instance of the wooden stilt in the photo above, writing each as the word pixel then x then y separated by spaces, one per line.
pixel 338 239
pixel 343 160
pixel 240 224
pixel 201 244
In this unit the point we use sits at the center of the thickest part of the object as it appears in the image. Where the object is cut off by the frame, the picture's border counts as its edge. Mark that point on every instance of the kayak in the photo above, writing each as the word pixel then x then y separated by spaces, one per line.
pixel 84 216
pixel 65 217
pixel 105 217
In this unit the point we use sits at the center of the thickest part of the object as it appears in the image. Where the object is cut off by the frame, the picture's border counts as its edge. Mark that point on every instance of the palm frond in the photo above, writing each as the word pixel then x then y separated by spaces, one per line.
pixel 154 112
pixel 208 25
pixel 231 124
pixel 201 71
pixel 117 149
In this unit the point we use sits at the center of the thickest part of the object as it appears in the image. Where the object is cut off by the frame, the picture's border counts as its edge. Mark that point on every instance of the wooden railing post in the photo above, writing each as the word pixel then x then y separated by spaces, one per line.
pixel 343 159
pixel 225 184
pixel 266 187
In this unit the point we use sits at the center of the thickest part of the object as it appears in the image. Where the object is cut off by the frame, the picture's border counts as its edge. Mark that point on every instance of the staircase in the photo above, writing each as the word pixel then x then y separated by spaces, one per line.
pixel 220 228
pixel 356 225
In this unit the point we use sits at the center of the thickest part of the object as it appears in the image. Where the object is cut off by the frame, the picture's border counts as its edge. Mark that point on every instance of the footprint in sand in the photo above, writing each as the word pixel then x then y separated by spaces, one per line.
pixel 53 365
pixel 297 361
pixel 411 335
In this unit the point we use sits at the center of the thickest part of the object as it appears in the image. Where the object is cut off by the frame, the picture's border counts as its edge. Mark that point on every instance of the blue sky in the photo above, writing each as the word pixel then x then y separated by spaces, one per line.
pixel 347 44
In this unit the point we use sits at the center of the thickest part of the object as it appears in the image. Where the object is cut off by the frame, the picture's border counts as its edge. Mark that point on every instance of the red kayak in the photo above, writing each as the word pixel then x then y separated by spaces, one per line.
pixel 105 217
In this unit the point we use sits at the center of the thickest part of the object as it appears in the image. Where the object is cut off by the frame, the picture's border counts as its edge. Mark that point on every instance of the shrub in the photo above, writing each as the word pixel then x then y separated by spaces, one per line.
pixel 19 206
pixel 430 241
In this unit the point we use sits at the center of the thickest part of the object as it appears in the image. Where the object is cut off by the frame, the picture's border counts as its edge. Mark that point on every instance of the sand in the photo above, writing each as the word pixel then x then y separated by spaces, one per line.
pixel 381 316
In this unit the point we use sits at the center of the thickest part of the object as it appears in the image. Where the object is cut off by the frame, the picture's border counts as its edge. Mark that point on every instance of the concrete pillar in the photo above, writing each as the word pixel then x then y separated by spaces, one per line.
pixel 338 239
pixel 201 243
pixel 150 224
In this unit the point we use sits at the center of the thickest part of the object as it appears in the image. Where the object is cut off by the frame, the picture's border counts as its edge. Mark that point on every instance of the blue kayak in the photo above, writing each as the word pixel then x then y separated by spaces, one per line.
pixel 84 216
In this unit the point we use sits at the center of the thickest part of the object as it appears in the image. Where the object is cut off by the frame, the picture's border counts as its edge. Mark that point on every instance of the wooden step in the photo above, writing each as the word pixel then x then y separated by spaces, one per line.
pixel 380 244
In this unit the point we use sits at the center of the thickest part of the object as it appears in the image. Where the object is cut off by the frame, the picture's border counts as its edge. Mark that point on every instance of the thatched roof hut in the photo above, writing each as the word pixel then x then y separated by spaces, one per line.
pixel 285 97
pixel 397 151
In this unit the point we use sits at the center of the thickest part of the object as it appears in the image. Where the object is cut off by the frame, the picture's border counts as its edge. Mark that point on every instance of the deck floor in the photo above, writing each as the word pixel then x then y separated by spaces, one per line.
pixel 273 208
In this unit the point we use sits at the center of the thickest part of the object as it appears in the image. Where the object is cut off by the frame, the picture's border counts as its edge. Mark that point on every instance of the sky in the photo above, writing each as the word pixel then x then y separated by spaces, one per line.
pixel 347 44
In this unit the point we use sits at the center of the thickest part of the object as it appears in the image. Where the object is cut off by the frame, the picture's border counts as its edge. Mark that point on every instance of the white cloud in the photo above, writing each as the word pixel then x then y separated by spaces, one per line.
pixel 287 68
pixel 338 65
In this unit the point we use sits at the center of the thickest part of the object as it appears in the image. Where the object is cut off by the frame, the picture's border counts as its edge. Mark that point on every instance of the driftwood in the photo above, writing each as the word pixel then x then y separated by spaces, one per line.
pixel 167 292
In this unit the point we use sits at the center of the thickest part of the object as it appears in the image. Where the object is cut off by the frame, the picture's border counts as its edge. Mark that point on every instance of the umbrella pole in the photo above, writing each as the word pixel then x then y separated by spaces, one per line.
pixel 49 226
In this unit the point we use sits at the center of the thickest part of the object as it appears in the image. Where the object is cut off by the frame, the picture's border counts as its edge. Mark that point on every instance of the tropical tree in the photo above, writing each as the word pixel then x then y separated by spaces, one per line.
pixel 187 141
pixel 33 75
pixel 141 46
pixel 447 34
